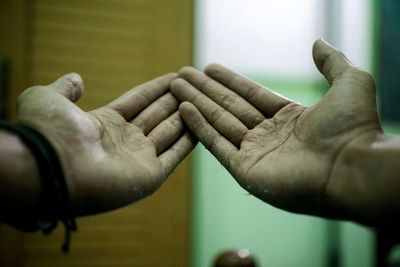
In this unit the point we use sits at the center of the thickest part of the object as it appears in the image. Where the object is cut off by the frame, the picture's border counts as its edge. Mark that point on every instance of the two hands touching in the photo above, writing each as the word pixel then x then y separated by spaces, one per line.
pixel 330 159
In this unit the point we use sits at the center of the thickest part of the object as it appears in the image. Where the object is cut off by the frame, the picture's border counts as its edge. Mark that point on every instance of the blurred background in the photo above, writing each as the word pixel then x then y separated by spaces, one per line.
pixel 201 211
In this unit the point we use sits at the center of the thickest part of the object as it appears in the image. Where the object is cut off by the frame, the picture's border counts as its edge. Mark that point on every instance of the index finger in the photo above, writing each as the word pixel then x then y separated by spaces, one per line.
pixel 265 100
pixel 224 97
pixel 135 100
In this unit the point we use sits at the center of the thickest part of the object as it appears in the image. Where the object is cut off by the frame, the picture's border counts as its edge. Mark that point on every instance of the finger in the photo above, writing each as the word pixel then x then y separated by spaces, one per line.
pixel 171 158
pixel 70 85
pixel 330 62
pixel 159 110
pixel 227 124
pixel 136 99
pixel 217 144
pixel 167 132
pixel 224 97
pixel 342 75
pixel 265 100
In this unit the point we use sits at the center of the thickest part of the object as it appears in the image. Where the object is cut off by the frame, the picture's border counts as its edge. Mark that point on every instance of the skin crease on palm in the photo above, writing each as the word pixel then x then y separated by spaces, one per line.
pixel 330 159
pixel 113 155
pixel 278 150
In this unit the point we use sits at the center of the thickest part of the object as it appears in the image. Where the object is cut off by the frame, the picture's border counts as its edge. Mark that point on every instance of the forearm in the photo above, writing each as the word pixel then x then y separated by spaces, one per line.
pixel 365 182
pixel 19 178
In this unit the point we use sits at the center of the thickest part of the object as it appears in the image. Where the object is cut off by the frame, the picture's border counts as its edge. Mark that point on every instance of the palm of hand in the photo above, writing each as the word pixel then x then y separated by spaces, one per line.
pixel 113 155
pixel 280 151
pixel 295 151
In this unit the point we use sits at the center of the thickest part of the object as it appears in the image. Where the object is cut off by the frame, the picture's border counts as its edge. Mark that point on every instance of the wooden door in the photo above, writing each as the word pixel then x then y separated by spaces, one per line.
pixel 114 45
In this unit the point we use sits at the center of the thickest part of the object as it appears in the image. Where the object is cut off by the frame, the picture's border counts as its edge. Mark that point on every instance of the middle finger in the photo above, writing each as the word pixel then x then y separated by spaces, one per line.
pixel 223 121
pixel 226 98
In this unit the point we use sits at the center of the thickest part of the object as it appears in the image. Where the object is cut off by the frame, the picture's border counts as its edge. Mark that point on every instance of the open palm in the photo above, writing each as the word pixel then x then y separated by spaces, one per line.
pixel 280 151
pixel 113 155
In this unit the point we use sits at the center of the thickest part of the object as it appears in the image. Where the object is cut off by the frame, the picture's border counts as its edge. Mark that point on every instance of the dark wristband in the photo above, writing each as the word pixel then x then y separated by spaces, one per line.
pixel 54 203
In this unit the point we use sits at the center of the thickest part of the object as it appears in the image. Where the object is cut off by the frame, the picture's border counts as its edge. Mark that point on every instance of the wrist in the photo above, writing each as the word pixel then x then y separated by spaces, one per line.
pixel 20 183
pixel 364 182
pixel 53 203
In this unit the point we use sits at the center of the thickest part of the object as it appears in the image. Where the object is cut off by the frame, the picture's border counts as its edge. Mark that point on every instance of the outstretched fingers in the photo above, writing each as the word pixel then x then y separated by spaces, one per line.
pixel 171 158
pixel 167 132
pixel 265 100
pixel 227 99
pixel 138 98
pixel 218 145
pixel 223 121
pixel 156 112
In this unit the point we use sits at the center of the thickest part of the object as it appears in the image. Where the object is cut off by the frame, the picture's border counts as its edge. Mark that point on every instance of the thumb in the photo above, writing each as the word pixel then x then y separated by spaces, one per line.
pixel 70 85
pixel 330 62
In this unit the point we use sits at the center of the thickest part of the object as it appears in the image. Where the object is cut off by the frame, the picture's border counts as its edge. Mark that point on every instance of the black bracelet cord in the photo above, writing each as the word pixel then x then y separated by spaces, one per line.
pixel 54 199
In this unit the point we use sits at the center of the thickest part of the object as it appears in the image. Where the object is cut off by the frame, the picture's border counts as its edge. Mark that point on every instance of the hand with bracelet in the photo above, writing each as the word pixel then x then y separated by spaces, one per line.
pixel 330 159
pixel 110 157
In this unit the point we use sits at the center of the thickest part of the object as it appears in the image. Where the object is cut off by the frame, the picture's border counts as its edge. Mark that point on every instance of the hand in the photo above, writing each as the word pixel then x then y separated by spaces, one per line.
pixel 281 151
pixel 113 155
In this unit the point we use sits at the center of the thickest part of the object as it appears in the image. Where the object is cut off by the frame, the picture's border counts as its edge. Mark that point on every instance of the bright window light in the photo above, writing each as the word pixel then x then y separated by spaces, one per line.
pixel 259 36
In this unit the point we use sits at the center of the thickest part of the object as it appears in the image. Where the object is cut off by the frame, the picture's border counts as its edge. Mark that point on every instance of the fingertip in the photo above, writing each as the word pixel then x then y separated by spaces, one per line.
pixel 166 79
pixel 70 85
pixel 186 106
pixel 178 81
pixel 321 42
pixel 177 84
pixel 171 75
pixel 320 52
pixel 163 81
pixel 219 72
pixel 213 67
pixel 187 110
pixel 186 71
pixel 77 81
pixel 330 61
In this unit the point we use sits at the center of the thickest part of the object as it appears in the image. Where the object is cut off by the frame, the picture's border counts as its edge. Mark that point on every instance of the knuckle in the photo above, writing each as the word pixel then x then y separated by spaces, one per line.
pixel 255 119
pixel 197 98
pixel 198 128
pixel 254 91
pixel 268 124
pixel 212 144
pixel 139 123
pixel 142 95
pixel 216 115
pixel 227 101
pixel 176 122
pixel 168 100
